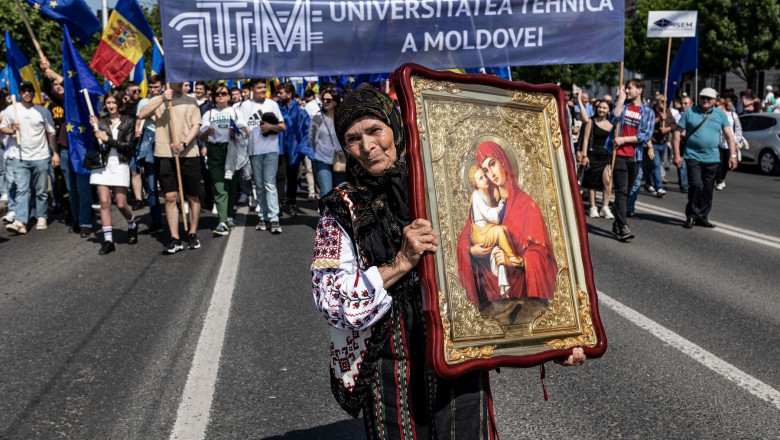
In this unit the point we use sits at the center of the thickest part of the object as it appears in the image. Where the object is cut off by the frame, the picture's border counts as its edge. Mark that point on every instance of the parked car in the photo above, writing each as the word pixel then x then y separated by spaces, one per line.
pixel 762 131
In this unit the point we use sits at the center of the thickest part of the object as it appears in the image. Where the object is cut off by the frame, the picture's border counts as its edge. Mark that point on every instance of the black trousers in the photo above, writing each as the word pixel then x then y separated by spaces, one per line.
pixel 623 178
pixel 723 166
pixel 701 183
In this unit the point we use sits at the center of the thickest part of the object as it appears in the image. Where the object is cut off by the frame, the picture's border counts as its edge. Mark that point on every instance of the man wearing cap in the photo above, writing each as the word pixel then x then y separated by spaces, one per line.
pixel 769 99
pixel 31 156
pixel 703 124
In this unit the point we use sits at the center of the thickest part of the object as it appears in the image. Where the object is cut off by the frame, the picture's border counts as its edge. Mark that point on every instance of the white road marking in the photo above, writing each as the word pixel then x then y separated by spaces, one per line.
pixel 723 228
pixel 192 418
pixel 704 357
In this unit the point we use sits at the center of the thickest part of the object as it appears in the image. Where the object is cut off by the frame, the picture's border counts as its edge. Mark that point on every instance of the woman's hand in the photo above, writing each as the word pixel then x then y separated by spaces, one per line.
pixel 576 358
pixel 479 250
pixel 419 238
pixel 102 135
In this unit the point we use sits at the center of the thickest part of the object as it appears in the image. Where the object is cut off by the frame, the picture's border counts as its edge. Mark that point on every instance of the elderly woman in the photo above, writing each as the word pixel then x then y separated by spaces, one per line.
pixel 364 283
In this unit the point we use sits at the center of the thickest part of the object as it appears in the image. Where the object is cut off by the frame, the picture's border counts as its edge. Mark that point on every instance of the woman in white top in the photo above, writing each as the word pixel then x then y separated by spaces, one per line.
pixel 115 139
pixel 216 129
pixel 727 106
pixel 322 136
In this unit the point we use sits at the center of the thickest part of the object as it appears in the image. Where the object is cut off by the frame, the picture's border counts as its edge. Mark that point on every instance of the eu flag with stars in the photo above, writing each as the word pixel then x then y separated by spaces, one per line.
pixel 74 13
pixel 7 80
pixel 76 78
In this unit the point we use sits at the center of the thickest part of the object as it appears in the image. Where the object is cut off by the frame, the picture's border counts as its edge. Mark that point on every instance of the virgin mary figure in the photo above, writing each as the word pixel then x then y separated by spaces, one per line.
pixel 530 270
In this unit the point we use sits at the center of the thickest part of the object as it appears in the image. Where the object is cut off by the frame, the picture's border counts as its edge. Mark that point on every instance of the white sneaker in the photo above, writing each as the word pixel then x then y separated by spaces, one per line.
pixel 96 206
pixel 606 213
pixel 593 212
pixel 17 227
pixel 42 224
pixel 214 209
pixel 720 186
pixel 4 198
pixel 9 218
pixel 257 208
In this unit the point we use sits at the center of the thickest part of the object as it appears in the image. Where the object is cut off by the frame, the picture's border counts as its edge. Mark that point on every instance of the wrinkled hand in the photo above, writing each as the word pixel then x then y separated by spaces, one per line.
pixel 678 161
pixel 733 163
pixel 177 148
pixel 419 238
pixel 576 358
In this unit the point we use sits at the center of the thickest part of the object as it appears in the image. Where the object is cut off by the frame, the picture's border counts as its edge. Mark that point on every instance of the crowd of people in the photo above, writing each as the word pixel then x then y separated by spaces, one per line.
pixel 228 146
pixel 246 145
pixel 700 141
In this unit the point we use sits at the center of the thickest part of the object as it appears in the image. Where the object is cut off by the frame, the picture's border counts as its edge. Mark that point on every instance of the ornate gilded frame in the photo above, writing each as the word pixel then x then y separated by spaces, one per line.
pixel 447 116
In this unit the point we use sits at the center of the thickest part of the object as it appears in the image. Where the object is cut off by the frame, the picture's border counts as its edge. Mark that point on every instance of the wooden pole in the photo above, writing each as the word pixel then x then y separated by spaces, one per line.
pixel 666 81
pixel 159 46
pixel 30 31
pixel 172 130
pixel 17 135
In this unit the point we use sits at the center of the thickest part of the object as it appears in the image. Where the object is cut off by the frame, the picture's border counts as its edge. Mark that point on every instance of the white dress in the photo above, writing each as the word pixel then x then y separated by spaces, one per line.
pixel 115 173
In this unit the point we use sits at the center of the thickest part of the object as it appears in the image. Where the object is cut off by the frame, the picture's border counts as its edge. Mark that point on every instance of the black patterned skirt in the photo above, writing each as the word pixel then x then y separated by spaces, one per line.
pixel 407 402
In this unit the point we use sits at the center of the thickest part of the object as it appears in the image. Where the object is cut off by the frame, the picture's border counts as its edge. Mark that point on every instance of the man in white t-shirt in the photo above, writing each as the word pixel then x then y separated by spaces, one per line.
pixel 264 120
pixel 35 126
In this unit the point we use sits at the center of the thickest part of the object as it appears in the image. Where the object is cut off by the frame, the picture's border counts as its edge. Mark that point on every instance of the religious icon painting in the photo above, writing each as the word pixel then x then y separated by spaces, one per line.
pixel 491 166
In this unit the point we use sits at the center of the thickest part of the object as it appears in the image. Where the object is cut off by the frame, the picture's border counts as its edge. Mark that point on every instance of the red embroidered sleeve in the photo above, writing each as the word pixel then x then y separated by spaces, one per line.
pixel 347 297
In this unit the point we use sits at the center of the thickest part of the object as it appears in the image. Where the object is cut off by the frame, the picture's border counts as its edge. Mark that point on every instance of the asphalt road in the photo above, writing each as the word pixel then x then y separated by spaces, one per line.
pixel 98 347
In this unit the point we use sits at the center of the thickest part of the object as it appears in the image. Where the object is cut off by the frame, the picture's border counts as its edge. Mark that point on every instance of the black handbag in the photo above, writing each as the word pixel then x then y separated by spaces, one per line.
pixel 94 160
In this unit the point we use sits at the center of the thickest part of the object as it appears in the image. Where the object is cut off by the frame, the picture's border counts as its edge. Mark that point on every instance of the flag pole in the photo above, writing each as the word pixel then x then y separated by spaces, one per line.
pixel 30 31
pixel 666 81
pixel 91 111
pixel 176 158
pixel 17 135
pixel 617 132
pixel 159 46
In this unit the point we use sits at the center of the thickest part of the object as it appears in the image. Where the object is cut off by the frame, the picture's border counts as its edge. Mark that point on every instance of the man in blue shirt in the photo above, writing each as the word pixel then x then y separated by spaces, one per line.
pixel 703 124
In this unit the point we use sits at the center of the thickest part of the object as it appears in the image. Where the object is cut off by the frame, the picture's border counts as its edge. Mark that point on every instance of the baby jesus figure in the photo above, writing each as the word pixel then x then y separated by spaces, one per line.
pixel 485 217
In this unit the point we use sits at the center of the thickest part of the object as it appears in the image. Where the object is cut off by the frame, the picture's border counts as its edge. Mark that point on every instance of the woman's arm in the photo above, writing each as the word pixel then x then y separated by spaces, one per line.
pixel 348 298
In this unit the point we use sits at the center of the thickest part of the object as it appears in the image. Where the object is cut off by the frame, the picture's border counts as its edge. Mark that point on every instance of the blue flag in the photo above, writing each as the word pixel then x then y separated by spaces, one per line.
pixel 7 80
pixel 157 61
pixel 686 59
pixel 74 13
pixel 76 78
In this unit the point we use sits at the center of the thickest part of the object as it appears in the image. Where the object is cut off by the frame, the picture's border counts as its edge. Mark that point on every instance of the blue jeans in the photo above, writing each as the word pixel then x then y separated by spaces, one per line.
pixel 324 173
pixel 79 190
pixel 654 177
pixel 682 175
pixel 150 185
pixel 28 172
pixel 10 185
pixel 264 168
pixel 635 189
pixel 3 180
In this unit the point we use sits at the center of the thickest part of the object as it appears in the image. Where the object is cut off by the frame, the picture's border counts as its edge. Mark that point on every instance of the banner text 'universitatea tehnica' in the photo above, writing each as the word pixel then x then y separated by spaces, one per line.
pixel 222 39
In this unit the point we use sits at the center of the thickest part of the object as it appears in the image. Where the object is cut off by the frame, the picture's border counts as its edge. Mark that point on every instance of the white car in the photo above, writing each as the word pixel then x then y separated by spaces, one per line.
pixel 762 131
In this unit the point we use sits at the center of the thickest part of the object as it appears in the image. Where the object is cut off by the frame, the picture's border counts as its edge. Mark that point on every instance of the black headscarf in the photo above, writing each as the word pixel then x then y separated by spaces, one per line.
pixel 375 220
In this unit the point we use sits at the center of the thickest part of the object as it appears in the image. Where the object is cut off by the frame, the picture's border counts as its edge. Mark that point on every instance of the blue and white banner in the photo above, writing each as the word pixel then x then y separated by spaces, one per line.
pixel 671 24
pixel 218 39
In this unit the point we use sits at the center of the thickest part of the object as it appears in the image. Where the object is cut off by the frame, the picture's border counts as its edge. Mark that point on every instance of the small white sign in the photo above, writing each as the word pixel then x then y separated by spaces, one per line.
pixel 671 24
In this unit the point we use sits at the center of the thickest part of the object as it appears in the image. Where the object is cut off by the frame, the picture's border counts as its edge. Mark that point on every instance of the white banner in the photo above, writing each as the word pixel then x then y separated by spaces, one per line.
pixel 671 24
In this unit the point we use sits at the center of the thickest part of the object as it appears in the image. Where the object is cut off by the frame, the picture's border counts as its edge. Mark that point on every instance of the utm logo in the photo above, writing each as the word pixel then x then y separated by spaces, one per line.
pixel 227 32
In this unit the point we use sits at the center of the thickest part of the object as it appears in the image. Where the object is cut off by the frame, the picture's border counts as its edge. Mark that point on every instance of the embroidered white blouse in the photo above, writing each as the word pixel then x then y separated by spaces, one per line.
pixel 348 297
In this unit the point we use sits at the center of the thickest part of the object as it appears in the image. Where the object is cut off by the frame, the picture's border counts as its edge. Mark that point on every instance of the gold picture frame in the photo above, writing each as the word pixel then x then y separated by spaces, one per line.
pixel 491 168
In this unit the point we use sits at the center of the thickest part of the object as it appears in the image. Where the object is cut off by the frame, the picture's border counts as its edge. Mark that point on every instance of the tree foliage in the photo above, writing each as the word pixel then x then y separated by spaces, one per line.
pixel 564 75
pixel 737 36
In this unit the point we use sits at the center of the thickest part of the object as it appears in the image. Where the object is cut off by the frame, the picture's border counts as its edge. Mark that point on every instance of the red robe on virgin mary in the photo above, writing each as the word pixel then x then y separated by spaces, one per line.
pixel 528 237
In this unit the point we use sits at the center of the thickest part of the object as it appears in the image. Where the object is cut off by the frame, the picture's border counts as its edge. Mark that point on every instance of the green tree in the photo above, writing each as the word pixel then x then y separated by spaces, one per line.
pixel 564 75
pixel 735 36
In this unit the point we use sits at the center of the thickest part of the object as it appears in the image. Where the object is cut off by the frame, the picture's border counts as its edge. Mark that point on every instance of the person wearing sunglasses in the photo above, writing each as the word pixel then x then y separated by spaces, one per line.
pixel 216 130
pixel 703 124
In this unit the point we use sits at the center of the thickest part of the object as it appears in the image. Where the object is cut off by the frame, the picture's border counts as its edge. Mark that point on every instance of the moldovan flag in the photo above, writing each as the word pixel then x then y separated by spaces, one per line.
pixel 126 38
pixel 139 75
pixel 20 67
